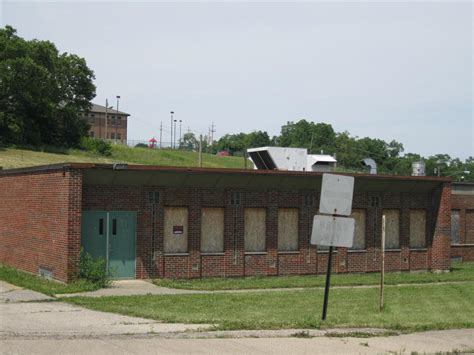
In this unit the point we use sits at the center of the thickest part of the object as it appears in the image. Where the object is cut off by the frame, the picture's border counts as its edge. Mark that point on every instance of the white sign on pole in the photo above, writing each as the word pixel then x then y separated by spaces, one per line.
pixel 333 231
pixel 336 194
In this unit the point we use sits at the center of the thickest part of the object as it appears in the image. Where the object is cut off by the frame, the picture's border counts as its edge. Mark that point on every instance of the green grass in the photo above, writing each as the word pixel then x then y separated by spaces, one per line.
pixel 459 272
pixel 39 284
pixel 408 308
pixel 18 158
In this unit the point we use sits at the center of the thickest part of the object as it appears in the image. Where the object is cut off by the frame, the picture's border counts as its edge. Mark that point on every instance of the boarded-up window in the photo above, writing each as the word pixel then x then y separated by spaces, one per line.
pixel 469 227
pixel 176 230
pixel 254 229
pixel 212 230
pixel 392 229
pixel 417 229
pixel 288 229
pixel 455 232
pixel 359 229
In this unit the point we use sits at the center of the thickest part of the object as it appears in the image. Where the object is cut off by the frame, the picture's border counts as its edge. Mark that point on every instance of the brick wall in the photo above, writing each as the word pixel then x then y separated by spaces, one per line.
pixel 40 216
pixel 441 237
pixel 153 262
pixel 464 203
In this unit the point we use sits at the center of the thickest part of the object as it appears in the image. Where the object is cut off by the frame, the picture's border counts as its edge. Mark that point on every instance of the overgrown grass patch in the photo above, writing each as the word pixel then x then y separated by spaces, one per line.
pixel 39 284
pixel 408 308
pixel 459 272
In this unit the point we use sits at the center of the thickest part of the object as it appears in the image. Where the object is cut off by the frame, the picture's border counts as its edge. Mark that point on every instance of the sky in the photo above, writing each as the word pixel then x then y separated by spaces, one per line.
pixel 392 70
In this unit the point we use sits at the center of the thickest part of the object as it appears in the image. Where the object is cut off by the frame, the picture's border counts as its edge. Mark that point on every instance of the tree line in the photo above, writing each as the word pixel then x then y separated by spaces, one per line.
pixel 42 92
pixel 349 150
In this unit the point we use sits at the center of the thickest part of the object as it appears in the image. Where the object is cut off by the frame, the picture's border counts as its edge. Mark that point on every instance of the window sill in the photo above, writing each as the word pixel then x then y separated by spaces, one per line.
pixel 255 253
pixel 418 249
pixel 357 251
pixel 283 252
pixel 389 250
pixel 176 254
pixel 210 253
pixel 326 251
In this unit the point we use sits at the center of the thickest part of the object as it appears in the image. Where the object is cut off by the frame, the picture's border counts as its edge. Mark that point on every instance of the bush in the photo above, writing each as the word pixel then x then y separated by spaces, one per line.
pixel 93 270
pixel 96 146
pixel 141 145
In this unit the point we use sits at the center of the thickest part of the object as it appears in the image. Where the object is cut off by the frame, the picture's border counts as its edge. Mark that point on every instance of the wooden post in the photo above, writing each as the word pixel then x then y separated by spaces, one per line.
pixel 382 262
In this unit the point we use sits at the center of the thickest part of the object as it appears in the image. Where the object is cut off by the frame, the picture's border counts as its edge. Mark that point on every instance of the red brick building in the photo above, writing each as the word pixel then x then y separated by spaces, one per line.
pixel 177 222
pixel 462 221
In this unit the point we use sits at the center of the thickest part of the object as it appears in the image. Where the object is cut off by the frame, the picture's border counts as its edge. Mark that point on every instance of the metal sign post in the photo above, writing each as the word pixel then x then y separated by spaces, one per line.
pixel 332 230
pixel 328 281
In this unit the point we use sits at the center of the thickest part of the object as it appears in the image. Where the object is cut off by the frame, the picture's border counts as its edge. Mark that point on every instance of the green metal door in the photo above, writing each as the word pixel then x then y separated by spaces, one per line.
pixel 94 233
pixel 111 236
pixel 122 244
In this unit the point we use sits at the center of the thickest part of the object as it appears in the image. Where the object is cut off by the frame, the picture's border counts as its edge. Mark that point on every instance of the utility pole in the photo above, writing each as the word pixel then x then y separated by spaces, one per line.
pixel 116 118
pixel 200 150
pixel 212 132
pixel 161 132
pixel 171 125
pixel 106 108
pixel 180 121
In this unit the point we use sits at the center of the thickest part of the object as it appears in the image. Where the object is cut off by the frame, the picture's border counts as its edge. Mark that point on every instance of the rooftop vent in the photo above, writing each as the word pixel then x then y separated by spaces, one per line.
pixel 371 164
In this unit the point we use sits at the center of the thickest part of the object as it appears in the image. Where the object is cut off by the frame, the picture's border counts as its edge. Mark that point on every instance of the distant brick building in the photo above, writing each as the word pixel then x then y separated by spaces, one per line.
pixel 115 127
pixel 150 222
pixel 462 221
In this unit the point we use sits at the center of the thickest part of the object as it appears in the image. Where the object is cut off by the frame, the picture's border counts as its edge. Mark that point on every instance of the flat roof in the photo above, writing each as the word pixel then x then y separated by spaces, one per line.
pixel 169 176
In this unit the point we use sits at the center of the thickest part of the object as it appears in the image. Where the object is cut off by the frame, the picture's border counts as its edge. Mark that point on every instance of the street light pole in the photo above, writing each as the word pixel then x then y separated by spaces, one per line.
pixel 180 121
pixel 116 118
pixel 171 135
pixel 174 142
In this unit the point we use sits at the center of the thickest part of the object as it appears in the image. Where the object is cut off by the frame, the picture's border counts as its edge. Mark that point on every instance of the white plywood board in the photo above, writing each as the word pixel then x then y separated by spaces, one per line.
pixel 336 194
pixel 333 231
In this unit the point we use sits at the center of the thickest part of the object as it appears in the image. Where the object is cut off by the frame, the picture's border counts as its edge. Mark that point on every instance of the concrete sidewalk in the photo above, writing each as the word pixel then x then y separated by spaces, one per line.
pixel 11 293
pixel 130 288
pixel 143 287
pixel 25 313
pixel 57 319
pixel 427 342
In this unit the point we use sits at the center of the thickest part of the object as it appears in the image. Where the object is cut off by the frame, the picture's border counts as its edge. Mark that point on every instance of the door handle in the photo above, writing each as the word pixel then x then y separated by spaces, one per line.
pixel 101 226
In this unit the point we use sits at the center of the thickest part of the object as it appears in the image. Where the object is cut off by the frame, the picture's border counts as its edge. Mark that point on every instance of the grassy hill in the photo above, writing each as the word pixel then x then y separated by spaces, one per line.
pixel 18 158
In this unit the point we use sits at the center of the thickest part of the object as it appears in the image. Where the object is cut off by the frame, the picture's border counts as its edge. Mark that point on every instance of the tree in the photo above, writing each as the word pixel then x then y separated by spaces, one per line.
pixel 347 154
pixel 41 92
pixel 190 141
pixel 316 137
pixel 232 142
pixel 256 139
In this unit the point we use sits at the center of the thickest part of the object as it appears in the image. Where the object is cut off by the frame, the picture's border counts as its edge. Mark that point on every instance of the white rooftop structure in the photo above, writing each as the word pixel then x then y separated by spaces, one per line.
pixel 320 162
pixel 291 159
